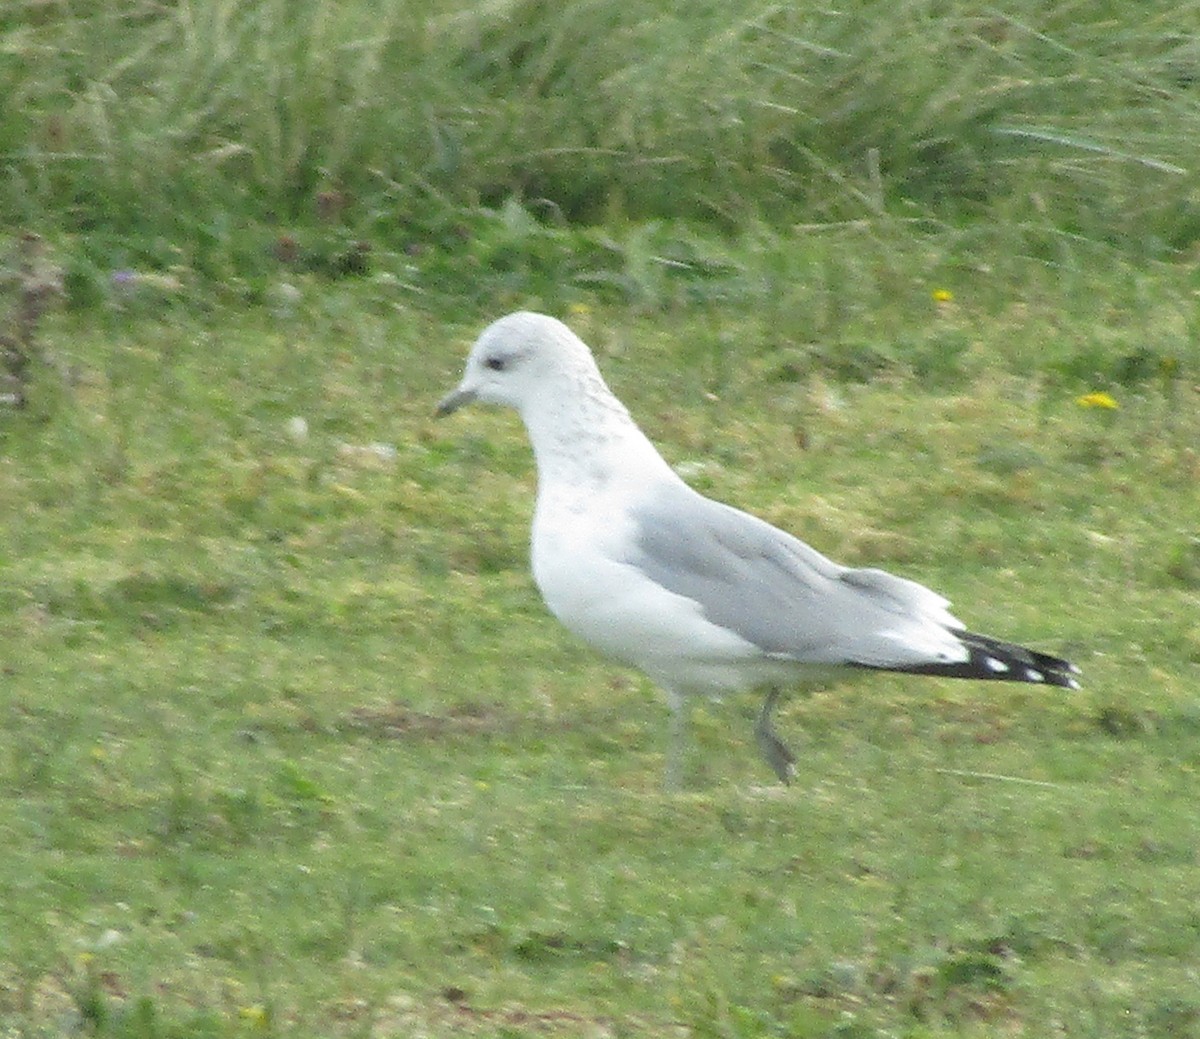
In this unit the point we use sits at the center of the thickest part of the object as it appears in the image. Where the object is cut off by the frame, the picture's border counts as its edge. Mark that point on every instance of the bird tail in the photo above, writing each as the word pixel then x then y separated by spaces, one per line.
pixel 990 659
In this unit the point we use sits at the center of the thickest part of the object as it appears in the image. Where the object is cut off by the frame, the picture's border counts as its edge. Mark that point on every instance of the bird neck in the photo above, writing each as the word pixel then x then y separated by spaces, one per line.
pixel 585 437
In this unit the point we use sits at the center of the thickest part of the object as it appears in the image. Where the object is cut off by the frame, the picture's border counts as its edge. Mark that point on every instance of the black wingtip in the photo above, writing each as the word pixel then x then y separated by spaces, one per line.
pixel 991 660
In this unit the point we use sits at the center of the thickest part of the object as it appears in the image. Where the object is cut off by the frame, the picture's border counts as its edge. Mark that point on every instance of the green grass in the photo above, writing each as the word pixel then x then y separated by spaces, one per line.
pixel 192 136
pixel 291 746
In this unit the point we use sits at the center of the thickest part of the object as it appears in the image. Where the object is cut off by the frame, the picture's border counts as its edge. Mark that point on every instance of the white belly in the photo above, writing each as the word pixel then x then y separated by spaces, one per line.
pixel 612 606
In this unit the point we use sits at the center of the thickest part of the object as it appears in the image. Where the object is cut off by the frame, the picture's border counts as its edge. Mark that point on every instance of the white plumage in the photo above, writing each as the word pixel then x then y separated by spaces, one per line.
pixel 700 596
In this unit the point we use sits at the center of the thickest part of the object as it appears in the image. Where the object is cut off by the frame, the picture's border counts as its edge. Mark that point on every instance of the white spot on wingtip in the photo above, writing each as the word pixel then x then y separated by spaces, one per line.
pixel 1034 676
pixel 994 664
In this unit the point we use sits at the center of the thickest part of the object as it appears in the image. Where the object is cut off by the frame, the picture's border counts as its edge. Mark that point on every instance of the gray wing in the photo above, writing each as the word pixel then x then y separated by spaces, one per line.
pixel 781 595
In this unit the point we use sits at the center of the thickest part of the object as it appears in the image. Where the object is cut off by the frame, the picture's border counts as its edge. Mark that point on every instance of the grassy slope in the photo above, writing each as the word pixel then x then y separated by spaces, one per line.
pixel 291 745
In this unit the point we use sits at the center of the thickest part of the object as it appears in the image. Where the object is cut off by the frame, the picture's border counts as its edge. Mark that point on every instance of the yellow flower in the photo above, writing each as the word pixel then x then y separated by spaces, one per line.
pixel 1097 399
pixel 943 296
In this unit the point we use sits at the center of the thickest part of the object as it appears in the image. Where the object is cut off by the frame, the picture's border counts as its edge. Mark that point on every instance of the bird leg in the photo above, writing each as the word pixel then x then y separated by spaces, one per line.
pixel 771 746
pixel 676 737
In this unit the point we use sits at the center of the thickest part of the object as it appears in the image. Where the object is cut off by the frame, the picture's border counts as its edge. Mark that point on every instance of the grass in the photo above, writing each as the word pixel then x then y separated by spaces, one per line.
pixel 289 745
pixel 194 135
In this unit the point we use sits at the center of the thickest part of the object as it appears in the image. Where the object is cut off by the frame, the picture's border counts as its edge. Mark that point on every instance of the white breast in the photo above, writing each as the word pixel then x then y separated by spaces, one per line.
pixel 577 556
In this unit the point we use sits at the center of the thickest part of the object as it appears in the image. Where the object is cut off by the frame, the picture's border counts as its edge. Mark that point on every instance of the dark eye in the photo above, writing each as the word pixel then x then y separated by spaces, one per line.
pixel 496 364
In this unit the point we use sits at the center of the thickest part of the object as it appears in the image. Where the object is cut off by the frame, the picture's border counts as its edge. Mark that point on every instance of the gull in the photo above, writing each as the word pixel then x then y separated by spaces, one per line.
pixel 701 597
